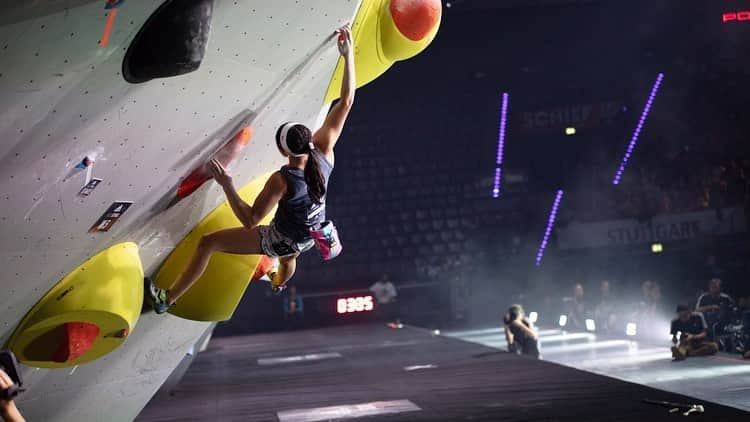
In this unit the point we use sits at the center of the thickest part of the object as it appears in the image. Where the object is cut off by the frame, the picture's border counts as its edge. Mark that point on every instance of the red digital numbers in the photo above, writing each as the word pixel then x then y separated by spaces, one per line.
pixel 736 16
pixel 348 305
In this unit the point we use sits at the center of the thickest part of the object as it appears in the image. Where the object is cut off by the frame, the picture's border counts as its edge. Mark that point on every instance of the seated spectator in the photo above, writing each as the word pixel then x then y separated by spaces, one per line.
pixel 646 306
pixel 716 307
pixel 743 345
pixel 605 312
pixel 459 296
pixel 689 333
pixel 520 333
pixel 294 308
pixel 577 310
pixel 647 311
pixel 385 293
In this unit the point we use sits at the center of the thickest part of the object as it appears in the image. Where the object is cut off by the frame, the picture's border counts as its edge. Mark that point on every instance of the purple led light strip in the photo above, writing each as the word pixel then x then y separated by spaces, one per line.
pixel 550 225
pixel 634 139
pixel 500 146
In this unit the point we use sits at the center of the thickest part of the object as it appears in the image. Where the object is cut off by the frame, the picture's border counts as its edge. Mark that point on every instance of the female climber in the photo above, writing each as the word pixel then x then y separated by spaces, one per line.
pixel 299 189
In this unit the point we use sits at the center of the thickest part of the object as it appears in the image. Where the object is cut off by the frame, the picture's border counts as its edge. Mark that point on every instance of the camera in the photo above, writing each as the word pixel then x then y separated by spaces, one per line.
pixel 9 365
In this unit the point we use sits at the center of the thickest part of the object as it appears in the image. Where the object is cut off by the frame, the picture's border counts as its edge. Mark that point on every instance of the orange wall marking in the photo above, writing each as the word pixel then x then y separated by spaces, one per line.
pixel 108 28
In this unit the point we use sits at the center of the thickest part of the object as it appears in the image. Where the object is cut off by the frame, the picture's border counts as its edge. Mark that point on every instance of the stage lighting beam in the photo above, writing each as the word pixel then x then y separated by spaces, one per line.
pixel 548 230
pixel 637 132
pixel 500 145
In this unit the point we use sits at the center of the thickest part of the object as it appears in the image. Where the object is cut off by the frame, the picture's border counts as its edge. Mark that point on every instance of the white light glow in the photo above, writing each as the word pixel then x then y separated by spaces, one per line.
pixel 533 317
pixel 417 367
pixel 593 345
pixel 590 325
pixel 479 332
pixel 302 358
pixel 634 359
pixel 567 337
pixel 563 320
pixel 349 411
pixel 631 329
pixel 655 377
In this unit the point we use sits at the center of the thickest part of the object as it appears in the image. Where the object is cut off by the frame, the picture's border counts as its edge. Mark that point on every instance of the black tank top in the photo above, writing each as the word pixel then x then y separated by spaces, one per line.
pixel 297 213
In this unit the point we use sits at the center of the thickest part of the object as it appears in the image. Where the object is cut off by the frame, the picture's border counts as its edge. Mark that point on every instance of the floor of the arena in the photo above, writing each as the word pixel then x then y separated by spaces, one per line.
pixel 374 372
pixel 723 378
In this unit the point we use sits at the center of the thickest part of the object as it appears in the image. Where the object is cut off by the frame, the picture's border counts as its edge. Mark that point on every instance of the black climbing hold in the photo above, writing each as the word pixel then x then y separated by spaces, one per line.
pixel 172 41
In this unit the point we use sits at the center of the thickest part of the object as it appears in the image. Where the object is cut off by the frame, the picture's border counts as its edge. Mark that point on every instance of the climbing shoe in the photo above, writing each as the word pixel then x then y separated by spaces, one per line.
pixel 157 297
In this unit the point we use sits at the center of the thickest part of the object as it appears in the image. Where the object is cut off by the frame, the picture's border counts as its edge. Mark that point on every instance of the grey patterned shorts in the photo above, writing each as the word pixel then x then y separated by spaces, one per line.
pixel 276 245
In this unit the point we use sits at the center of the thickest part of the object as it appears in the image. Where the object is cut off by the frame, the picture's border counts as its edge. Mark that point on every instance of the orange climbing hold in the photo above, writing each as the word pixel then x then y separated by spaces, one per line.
pixel 415 19
pixel 264 266
pixel 225 155
pixel 77 338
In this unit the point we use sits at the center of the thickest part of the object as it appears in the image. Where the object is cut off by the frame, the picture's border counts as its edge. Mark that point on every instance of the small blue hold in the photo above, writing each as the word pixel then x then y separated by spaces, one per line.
pixel 85 163
pixel 113 4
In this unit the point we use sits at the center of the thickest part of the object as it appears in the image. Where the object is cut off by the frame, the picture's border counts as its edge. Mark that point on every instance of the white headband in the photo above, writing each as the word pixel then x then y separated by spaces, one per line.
pixel 282 140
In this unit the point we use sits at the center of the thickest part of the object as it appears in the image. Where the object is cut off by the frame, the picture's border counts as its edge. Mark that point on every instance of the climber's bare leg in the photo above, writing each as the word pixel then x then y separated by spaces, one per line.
pixel 241 240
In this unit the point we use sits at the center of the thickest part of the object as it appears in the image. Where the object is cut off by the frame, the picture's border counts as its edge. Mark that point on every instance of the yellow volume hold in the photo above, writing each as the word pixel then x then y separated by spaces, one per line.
pixel 384 32
pixel 216 294
pixel 88 314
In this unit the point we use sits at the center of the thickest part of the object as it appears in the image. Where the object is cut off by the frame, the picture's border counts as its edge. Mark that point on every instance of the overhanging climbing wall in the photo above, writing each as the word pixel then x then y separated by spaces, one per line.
pixel 63 99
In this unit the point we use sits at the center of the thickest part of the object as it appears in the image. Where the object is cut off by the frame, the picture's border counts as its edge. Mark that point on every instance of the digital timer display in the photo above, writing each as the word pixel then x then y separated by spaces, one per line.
pixel 348 305
pixel 743 15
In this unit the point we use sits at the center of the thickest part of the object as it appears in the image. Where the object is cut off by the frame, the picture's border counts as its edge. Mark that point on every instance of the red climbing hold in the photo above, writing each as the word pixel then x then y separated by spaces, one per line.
pixel 415 18
pixel 78 337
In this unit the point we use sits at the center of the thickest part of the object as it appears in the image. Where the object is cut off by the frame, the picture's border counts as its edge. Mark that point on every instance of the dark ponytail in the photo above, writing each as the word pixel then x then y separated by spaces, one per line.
pixel 299 141
pixel 316 186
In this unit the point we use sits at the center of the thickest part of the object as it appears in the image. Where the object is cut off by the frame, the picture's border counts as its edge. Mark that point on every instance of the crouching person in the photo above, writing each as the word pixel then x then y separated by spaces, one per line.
pixel 520 333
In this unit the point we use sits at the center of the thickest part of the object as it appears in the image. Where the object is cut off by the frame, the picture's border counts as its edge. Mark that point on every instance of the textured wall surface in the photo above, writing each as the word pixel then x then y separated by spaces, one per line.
pixel 63 98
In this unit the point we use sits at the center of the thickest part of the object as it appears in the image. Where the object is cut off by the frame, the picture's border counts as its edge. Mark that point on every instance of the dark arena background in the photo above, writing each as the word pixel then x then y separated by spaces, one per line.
pixel 544 214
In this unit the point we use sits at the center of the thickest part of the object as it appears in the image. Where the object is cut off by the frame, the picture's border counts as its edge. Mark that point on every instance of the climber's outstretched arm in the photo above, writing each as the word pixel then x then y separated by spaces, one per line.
pixel 326 137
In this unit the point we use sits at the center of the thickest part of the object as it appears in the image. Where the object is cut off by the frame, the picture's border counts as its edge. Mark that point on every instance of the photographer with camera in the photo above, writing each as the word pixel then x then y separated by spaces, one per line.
pixel 689 335
pixel 520 333
pixel 10 387
pixel 8 409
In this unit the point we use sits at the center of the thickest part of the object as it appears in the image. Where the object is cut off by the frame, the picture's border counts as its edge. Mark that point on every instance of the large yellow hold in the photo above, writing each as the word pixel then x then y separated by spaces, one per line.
pixel 387 31
pixel 89 313
pixel 216 294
